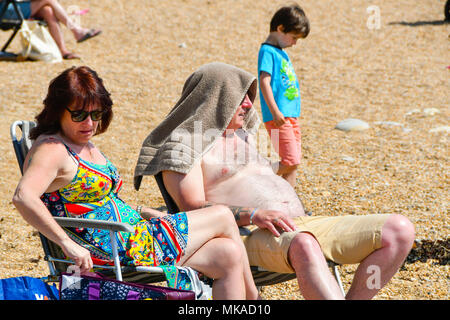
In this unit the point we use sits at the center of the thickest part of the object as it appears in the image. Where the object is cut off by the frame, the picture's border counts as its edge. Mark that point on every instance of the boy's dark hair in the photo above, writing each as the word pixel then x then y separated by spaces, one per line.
pixel 292 18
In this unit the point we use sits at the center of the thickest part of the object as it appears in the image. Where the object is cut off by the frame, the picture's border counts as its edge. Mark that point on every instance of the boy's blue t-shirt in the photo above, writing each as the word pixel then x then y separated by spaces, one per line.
pixel 284 83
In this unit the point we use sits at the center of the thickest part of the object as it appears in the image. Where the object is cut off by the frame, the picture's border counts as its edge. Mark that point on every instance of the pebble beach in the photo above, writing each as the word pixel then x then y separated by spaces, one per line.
pixel 374 78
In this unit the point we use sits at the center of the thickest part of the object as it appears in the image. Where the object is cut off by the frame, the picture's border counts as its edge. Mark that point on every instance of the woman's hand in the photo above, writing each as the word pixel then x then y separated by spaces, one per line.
pixel 273 220
pixel 149 213
pixel 80 255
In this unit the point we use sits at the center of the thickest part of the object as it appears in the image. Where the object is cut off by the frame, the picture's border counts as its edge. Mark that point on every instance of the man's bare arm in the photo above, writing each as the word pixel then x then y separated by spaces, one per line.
pixel 241 214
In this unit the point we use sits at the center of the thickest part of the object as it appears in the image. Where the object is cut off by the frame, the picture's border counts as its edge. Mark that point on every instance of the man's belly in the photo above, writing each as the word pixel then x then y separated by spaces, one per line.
pixel 248 188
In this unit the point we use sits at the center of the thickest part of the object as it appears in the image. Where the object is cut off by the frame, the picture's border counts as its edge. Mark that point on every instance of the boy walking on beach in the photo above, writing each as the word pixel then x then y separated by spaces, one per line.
pixel 279 88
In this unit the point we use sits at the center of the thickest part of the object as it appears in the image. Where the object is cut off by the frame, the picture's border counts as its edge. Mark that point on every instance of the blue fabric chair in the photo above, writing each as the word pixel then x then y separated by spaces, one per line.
pixel 9 23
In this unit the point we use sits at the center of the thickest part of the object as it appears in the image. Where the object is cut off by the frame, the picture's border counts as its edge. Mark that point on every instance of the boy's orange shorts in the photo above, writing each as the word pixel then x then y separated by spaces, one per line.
pixel 286 140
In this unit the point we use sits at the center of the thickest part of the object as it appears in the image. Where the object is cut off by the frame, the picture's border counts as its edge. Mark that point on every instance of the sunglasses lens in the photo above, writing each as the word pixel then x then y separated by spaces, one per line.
pixel 78 116
pixel 81 115
pixel 96 115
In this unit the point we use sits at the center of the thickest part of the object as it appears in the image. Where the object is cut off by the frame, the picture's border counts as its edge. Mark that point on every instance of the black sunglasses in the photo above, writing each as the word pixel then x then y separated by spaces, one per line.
pixel 81 115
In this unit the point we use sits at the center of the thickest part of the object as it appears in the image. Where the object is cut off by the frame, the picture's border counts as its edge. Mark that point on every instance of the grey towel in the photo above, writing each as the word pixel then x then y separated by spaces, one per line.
pixel 210 98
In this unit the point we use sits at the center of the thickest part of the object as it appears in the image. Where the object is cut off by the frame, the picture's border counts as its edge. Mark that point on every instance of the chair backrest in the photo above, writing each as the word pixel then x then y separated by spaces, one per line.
pixel 22 145
pixel 170 203
pixel 6 24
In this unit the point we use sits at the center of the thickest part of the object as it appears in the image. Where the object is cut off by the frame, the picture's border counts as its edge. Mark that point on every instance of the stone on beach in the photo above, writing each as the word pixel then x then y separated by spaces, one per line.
pixel 445 129
pixel 352 125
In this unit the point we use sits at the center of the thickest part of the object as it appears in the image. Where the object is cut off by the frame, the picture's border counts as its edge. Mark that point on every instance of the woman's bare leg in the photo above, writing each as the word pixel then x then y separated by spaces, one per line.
pixel 60 14
pixel 221 260
pixel 54 28
pixel 211 223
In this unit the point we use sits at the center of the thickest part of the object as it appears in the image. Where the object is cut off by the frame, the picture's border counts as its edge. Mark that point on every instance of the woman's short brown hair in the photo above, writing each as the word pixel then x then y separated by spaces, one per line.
pixel 76 86
pixel 292 18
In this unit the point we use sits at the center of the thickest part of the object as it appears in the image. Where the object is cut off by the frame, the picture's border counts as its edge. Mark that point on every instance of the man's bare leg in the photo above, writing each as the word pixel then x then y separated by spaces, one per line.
pixel 314 278
pixel 375 271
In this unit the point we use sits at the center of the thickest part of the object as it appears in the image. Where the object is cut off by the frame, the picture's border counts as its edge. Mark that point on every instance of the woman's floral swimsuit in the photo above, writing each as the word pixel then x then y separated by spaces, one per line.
pixel 93 194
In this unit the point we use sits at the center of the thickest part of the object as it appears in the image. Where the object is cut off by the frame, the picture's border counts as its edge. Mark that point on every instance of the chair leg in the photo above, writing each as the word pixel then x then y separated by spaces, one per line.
pixel 338 278
pixel 10 39
pixel 115 252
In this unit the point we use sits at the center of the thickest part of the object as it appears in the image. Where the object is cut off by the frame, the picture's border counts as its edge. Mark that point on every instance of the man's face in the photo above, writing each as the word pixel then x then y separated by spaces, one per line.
pixel 238 119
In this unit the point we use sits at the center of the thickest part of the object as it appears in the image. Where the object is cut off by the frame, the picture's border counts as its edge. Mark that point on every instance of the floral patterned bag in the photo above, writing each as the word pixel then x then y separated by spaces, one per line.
pixel 82 287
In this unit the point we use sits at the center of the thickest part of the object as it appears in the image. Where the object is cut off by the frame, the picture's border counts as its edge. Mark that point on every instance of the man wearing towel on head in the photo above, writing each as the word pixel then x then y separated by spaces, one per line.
pixel 205 152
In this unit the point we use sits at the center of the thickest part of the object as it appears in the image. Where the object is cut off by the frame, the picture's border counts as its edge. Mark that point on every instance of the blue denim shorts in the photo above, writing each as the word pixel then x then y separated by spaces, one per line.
pixel 10 14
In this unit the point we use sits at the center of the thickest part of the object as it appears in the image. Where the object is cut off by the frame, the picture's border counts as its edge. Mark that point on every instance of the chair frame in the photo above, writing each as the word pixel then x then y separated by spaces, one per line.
pixel 53 254
pixel 261 276
pixel 15 24
pixel 10 24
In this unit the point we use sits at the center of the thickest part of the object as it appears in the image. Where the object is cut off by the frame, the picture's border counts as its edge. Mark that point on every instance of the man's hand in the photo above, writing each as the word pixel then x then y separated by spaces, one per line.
pixel 273 220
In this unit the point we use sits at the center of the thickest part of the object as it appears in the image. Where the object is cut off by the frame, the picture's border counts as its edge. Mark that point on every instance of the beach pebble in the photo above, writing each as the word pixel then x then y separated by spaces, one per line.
pixel 413 111
pixel 393 124
pixel 352 125
pixel 347 158
pixel 389 123
pixel 182 45
pixel 431 111
pixel 407 130
pixel 445 129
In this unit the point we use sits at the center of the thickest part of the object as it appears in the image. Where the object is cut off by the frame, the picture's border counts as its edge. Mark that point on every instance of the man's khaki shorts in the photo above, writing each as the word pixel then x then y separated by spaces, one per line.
pixel 343 239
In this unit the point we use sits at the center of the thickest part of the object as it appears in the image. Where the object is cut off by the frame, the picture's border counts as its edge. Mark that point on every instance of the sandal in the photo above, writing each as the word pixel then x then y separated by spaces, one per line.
pixel 90 34
pixel 71 56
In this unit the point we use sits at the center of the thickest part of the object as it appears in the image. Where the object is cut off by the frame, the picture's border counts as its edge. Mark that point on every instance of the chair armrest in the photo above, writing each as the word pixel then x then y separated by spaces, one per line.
pixel 243 231
pixel 95 224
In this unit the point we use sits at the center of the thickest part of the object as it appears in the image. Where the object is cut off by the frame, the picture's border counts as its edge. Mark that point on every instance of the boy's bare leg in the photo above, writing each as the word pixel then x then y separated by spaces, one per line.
pixel 289 173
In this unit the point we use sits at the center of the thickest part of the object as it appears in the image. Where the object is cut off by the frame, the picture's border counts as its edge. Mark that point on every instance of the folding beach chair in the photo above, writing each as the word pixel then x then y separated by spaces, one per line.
pixel 14 24
pixel 9 24
pixel 261 277
pixel 57 262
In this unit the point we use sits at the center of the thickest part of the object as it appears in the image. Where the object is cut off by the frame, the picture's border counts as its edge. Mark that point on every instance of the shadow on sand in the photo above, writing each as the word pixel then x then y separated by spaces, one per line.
pixel 420 23
pixel 430 249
